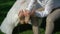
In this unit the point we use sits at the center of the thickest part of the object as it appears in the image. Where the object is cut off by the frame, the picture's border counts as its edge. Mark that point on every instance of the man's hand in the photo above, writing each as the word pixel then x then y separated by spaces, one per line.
pixel 27 12
pixel 24 15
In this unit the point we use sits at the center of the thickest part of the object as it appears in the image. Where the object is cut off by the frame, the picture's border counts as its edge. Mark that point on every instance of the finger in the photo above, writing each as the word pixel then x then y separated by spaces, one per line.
pixel 27 12
pixel 20 13
pixel 27 19
pixel 23 11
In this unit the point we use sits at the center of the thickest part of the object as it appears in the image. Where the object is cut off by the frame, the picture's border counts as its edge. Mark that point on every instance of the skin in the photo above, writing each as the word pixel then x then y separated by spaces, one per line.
pixel 24 16
pixel 49 21
pixel 28 14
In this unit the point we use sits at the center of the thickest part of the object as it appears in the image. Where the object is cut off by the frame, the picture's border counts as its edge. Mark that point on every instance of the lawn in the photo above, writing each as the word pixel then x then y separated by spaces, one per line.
pixel 5 5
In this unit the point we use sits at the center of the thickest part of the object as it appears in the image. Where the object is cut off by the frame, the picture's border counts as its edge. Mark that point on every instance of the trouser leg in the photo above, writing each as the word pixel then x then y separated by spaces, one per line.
pixel 50 21
pixel 35 26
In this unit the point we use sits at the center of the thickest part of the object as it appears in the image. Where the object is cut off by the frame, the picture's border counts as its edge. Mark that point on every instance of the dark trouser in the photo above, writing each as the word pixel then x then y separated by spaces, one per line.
pixel 50 21
pixel 35 25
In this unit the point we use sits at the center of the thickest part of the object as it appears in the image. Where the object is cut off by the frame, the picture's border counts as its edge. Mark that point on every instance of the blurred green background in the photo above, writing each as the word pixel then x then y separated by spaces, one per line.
pixel 5 5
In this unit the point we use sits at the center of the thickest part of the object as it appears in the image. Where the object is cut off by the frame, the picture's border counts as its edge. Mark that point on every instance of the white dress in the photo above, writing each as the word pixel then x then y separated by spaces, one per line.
pixel 11 20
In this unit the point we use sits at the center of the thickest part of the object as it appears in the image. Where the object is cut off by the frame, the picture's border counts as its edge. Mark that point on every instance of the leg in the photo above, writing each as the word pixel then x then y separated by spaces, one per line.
pixel 50 21
pixel 35 25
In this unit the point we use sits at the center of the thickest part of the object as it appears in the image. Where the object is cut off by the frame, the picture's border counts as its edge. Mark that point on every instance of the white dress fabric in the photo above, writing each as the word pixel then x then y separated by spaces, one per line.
pixel 11 20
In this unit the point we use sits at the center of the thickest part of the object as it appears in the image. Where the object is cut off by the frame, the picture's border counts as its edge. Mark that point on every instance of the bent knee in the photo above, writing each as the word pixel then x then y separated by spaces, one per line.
pixel 50 19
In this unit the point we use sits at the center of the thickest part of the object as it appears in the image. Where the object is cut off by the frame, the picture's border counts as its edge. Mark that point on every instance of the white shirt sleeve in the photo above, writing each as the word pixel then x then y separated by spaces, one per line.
pixel 31 5
pixel 46 11
pixel 41 2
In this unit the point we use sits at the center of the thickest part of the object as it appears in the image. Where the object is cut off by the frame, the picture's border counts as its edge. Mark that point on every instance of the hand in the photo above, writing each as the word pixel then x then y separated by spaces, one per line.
pixel 26 12
pixel 27 15
pixel 24 16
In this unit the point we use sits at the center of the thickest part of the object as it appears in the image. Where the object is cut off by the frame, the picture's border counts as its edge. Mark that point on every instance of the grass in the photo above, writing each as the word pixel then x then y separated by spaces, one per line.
pixel 5 5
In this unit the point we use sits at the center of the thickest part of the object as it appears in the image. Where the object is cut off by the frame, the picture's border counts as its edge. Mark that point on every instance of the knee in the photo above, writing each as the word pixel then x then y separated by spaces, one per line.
pixel 49 19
